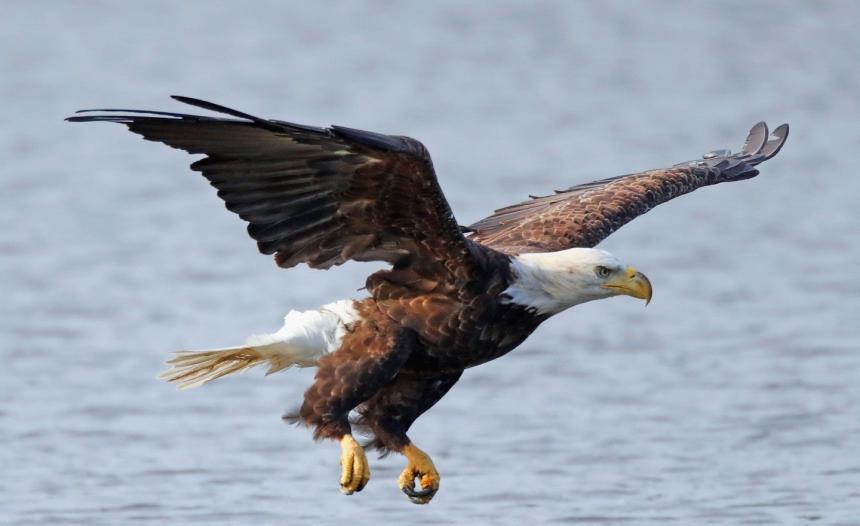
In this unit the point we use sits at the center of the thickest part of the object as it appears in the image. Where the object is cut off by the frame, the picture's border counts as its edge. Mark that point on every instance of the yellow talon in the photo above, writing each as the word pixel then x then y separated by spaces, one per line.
pixel 419 465
pixel 355 471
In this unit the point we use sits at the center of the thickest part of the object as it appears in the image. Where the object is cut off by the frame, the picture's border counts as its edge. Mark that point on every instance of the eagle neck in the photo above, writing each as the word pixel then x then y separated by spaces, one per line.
pixel 547 283
pixel 531 287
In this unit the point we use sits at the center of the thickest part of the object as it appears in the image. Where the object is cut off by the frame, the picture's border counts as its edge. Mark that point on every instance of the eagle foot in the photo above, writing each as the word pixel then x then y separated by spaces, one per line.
pixel 421 467
pixel 355 471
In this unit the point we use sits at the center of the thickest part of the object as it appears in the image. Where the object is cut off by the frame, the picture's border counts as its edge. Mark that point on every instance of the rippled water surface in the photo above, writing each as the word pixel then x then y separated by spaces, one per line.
pixel 733 399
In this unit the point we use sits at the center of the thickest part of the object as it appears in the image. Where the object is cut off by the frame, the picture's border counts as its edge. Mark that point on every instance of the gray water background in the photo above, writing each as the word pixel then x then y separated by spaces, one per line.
pixel 733 399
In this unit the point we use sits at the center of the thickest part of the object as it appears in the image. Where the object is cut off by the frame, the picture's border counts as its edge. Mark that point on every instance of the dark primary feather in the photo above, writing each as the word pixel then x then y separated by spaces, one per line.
pixel 584 215
pixel 319 196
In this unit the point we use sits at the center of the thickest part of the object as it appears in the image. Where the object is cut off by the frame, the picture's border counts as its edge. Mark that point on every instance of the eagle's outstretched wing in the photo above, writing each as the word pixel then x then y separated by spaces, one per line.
pixel 319 196
pixel 584 215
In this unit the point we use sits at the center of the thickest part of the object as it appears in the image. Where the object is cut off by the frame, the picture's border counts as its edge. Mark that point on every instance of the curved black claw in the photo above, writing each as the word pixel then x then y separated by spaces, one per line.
pixel 346 490
pixel 421 496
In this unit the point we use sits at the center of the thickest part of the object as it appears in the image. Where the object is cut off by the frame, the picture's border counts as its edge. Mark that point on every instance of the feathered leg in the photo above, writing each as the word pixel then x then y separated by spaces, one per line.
pixel 369 357
pixel 391 412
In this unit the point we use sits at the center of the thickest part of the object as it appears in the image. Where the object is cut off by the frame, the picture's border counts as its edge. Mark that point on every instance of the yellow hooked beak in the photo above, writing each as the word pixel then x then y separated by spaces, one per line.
pixel 630 282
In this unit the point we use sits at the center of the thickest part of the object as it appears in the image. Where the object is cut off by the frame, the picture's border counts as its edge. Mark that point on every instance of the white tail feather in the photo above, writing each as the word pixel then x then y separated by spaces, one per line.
pixel 304 339
pixel 195 368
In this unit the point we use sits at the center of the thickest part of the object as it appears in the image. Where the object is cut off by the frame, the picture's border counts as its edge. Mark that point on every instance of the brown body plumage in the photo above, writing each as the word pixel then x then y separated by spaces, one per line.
pixel 325 196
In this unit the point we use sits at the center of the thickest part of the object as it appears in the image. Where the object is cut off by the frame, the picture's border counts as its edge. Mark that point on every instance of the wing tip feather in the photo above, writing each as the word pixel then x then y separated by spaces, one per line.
pixel 772 147
pixel 756 139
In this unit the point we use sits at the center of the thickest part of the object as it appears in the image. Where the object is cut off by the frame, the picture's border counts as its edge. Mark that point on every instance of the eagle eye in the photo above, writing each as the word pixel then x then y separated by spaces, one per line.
pixel 602 272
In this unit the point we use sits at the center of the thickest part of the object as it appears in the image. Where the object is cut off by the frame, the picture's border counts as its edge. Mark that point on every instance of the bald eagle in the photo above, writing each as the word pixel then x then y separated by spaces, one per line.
pixel 453 297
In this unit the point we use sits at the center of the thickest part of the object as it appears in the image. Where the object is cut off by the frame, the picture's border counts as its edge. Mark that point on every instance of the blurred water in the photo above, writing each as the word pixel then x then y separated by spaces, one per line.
pixel 732 399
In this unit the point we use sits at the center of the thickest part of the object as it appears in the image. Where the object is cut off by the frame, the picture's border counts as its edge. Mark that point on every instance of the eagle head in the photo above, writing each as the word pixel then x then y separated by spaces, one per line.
pixel 550 282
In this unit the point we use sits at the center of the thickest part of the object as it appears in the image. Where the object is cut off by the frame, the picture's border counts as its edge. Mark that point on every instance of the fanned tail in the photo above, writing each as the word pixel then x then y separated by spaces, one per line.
pixel 195 368
pixel 302 341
